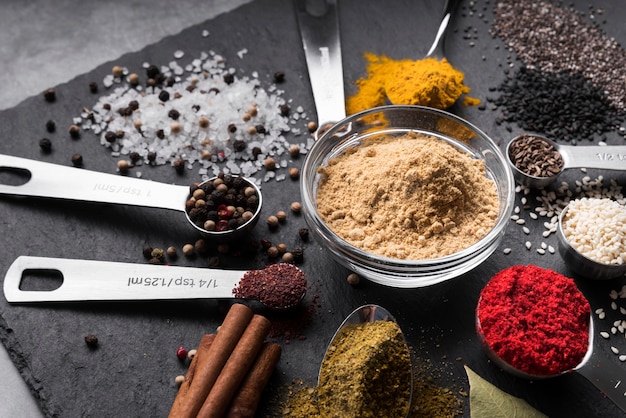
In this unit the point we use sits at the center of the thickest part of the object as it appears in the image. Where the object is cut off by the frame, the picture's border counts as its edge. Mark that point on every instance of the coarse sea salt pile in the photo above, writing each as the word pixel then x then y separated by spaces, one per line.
pixel 204 113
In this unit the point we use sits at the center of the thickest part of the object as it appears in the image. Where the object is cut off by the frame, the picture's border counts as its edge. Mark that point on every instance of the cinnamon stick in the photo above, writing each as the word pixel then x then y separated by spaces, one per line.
pixel 201 352
pixel 236 368
pixel 246 400
pixel 208 369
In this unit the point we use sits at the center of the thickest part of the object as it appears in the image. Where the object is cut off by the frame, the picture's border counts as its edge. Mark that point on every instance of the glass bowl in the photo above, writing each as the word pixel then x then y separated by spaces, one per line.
pixel 397 121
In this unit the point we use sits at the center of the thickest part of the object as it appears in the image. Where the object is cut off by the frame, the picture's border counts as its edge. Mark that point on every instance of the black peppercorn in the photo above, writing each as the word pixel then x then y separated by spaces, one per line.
pixel 152 71
pixel 147 251
pixel 239 145
pixel 179 165
pixel 74 131
pixel 77 160
pixel 91 341
pixel 50 95
pixel 229 78
pixel 110 136
pixel 174 114
pixel 304 234
pixel 164 96
pixel 93 87
pixel 45 144
pixel 284 110
pixel 279 76
pixel 152 156
pixel 51 126
pixel 133 105
pixel 232 128
pixel 260 129
pixel 256 151
pixel 134 156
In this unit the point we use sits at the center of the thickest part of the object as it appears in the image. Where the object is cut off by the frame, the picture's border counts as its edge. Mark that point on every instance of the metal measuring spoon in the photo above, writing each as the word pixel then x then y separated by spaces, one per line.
pixel 70 183
pixel 611 157
pixel 89 280
pixel 363 314
pixel 319 29
pixel 437 48
pixel 595 367
pixel 582 264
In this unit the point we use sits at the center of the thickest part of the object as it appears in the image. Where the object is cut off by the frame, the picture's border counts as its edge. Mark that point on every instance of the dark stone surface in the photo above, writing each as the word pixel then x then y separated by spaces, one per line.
pixel 132 371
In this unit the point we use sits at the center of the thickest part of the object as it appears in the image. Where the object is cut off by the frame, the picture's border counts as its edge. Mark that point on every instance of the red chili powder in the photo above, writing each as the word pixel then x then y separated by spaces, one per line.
pixel 535 319
pixel 277 286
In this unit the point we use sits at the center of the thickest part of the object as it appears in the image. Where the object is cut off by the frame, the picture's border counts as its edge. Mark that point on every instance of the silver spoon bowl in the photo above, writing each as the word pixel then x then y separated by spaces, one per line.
pixel 611 157
pixel 595 367
pixel 363 314
pixel 582 264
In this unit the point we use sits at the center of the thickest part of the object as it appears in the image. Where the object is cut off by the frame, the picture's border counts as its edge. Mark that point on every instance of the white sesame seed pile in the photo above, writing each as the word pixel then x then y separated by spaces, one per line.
pixel 596 228
pixel 220 125
pixel 549 203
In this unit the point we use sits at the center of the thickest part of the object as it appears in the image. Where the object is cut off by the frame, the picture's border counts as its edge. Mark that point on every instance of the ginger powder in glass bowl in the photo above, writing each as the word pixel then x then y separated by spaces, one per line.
pixel 407 196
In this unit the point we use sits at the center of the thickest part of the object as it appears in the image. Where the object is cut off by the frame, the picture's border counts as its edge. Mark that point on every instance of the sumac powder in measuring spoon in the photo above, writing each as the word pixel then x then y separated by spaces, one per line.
pixel 535 156
pixel 277 286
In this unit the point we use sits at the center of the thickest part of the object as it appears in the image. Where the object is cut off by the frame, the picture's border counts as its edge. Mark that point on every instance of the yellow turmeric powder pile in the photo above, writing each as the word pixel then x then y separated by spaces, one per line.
pixel 426 82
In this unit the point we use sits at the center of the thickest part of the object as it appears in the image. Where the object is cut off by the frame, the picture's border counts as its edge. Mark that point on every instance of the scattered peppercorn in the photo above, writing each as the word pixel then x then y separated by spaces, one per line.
pixel 203 122
pixel 51 126
pixel 147 251
pixel 189 250
pixel 164 96
pixel 179 165
pixel 353 279
pixel 296 207
pixel 93 87
pixel 77 160
pixel 181 353
pixel 229 78
pixel 173 114
pixel 50 95
pixel 304 234
pixel 272 252
pixel 152 156
pixel 134 157
pixel 110 136
pixel 201 247
pixel 123 166
pixel 45 144
pixel 279 76
pixel 294 173
pixel 287 258
pixel 282 248
pixel 298 255
pixel 91 341
pixel 285 110
pixel 117 71
pixel 152 71
pixel 272 221
pixel 133 79
pixel 311 126
pixel 74 131
pixel 270 163
pixel 294 150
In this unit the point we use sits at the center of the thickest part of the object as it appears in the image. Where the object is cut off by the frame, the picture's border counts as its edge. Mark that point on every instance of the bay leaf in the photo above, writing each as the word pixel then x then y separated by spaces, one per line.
pixel 487 400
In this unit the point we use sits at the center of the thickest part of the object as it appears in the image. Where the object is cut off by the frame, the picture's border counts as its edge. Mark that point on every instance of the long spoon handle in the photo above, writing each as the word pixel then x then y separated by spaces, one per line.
pixel 70 183
pixel 319 29
pixel 609 378
pixel 89 280
pixel 436 50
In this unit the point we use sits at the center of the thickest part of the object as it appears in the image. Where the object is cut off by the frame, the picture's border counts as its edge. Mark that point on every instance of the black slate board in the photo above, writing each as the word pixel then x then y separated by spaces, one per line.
pixel 131 373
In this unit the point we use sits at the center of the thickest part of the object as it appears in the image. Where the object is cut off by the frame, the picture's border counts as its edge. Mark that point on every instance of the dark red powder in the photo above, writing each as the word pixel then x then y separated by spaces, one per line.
pixel 535 319
pixel 277 286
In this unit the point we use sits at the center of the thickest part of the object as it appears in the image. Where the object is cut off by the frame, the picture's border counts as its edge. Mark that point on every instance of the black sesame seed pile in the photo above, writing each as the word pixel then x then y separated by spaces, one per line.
pixel 573 81
pixel 563 106
pixel 556 39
